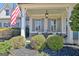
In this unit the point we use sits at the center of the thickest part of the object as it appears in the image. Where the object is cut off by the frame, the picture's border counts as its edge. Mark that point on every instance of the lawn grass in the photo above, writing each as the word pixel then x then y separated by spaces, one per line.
pixel 1 29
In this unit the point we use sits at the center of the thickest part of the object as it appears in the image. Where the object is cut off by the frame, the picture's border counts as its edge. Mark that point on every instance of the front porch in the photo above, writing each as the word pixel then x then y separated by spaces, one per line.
pixel 46 18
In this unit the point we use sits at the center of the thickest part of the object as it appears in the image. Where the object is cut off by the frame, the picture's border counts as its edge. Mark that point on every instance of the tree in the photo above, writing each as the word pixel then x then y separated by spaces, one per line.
pixel 75 18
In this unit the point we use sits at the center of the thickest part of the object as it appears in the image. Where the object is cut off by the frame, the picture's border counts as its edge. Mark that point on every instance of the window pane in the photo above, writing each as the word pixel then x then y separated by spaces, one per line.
pixel 51 25
pixel 55 25
pixel 75 35
pixel 6 24
pixel 7 12
pixel 38 25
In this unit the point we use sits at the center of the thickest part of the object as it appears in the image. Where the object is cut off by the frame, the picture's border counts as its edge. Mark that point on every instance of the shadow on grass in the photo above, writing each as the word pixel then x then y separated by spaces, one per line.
pixel 65 51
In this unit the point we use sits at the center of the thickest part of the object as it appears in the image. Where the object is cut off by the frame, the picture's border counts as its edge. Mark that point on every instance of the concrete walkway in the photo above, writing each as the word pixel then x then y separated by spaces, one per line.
pixel 73 46
pixel 23 52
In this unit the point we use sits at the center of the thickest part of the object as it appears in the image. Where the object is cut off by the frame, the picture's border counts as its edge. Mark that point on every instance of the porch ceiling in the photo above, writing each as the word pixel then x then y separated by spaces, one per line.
pixel 37 10
pixel 44 5
pixel 52 12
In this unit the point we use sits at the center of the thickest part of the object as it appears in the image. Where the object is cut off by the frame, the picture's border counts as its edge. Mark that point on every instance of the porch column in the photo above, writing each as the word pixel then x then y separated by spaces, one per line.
pixel 69 31
pixel 23 24
pixel 63 21
pixel 45 25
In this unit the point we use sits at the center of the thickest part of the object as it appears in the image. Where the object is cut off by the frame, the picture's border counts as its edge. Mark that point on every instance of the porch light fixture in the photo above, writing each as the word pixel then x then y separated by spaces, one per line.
pixel 46 14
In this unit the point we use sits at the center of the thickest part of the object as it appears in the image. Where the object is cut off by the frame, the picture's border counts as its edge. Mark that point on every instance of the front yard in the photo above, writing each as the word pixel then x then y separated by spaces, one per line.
pixel 38 45
pixel 28 51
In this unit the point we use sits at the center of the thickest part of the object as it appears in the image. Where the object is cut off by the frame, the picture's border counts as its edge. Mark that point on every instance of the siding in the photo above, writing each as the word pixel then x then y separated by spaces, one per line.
pixel 75 37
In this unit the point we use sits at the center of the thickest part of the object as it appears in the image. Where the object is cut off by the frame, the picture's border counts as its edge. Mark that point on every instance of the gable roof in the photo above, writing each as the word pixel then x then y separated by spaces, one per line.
pixel 6 5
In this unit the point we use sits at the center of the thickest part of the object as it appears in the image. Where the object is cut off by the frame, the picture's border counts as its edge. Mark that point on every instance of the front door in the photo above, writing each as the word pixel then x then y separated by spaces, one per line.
pixel 27 32
pixel 27 27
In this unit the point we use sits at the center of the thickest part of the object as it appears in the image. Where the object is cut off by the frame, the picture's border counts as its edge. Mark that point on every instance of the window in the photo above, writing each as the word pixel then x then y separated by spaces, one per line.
pixel 75 35
pixel 52 25
pixel 17 25
pixel 7 12
pixel 6 25
pixel 38 25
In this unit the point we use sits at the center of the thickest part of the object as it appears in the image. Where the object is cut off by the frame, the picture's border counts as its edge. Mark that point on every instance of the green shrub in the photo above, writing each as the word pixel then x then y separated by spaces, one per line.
pixel 55 42
pixel 16 31
pixel 4 48
pixel 38 42
pixel 5 33
pixel 17 42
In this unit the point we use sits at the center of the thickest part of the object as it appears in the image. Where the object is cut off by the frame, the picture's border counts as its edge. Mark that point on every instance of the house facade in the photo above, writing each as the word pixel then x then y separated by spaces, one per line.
pixel 5 13
pixel 48 18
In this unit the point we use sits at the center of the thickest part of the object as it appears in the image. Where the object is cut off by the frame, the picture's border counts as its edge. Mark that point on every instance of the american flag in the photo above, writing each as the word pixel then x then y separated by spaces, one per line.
pixel 14 15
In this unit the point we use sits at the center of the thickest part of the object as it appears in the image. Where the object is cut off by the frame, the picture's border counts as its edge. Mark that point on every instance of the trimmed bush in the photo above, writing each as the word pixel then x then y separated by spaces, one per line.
pixel 38 42
pixel 17 42
pixel 5 48
pixel 55 42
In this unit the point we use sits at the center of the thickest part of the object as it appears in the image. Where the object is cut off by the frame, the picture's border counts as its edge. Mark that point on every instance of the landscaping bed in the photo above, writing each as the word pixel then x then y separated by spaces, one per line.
pixel 37 46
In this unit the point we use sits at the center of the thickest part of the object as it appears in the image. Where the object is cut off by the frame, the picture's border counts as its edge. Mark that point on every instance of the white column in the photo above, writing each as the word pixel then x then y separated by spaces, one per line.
pixel 23 23
pixel 45 24
pixel 63 21
pixel 70 33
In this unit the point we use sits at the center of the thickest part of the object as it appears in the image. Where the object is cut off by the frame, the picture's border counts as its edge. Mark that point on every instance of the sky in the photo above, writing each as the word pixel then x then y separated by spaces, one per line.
pixel 1 5
pixel 13 5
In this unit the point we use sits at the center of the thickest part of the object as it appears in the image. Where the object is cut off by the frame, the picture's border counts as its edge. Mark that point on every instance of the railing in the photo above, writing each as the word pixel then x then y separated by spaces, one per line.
pixel 49 33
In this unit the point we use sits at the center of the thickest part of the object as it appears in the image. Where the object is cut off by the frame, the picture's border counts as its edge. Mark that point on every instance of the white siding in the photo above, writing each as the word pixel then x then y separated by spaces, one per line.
pixel 8 21
pixel 3 14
